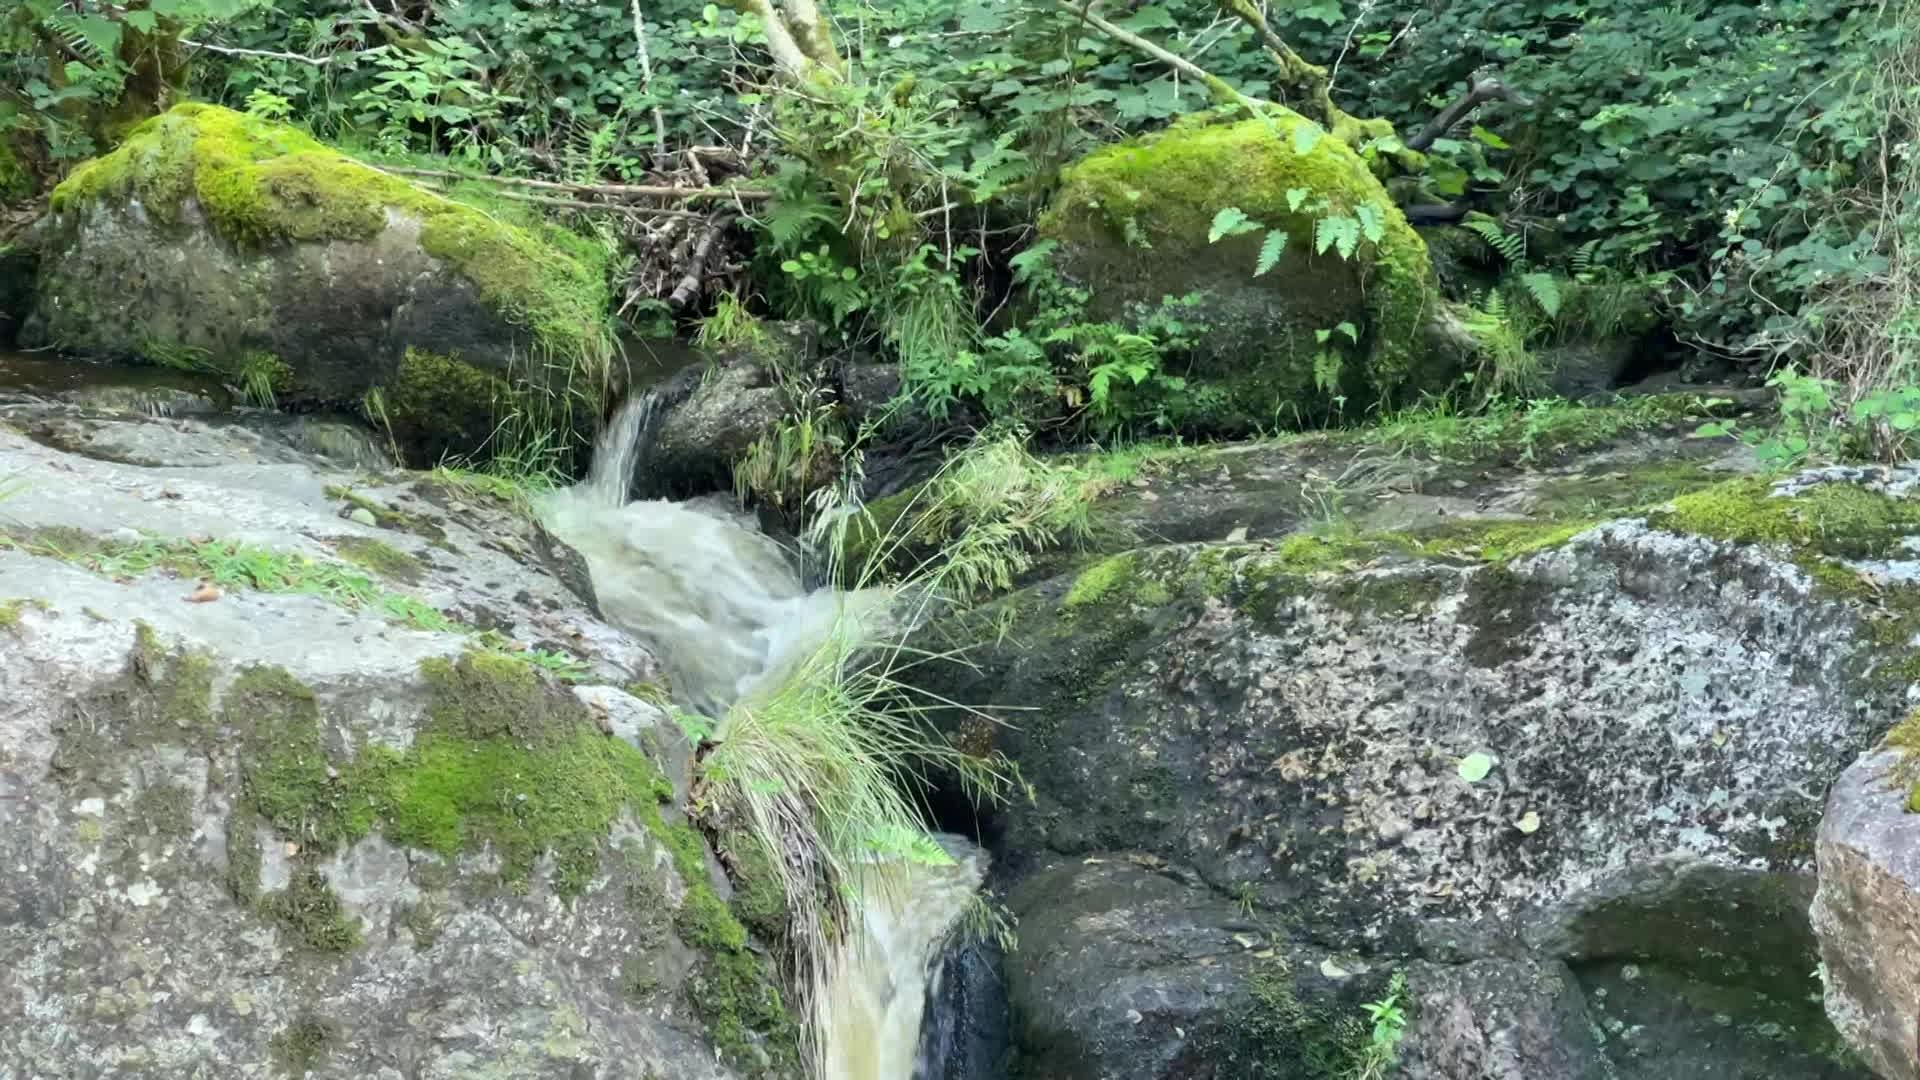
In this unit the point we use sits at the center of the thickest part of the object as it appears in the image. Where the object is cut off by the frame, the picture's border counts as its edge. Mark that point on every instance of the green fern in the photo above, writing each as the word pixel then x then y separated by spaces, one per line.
pixel 1511 246
pixel 1270 251
pixel 1585 261
pixel 1338 232
pixel 1545 290
pixel 92 38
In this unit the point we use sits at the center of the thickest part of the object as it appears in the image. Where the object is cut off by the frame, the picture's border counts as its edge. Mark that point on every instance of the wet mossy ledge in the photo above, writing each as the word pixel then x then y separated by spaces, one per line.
pixel 262 183
pixel 507 783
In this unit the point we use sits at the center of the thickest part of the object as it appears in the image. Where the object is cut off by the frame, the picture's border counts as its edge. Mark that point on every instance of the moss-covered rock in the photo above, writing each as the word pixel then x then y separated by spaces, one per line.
pixel 210 235
pixel 1132 225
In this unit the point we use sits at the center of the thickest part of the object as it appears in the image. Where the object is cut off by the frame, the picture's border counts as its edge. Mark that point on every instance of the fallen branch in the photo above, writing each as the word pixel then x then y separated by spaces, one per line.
pixel 615 191
pixel 1483 91
pixel 609 208
pixel 688 289
pixel 224 50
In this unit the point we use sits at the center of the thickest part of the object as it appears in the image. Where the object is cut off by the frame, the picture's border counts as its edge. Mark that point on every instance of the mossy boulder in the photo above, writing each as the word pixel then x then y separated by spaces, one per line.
pixel 209 236
pixel 1132 224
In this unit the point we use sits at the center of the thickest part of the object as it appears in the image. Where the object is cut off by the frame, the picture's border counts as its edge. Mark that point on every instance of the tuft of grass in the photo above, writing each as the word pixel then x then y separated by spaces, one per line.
pixel 731 326
pixel 786 466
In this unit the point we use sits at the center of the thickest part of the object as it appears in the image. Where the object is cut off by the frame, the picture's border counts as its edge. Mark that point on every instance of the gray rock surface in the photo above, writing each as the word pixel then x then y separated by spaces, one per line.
pixel 185 893
pixel 1570 792
pixel 716 411
pixel 1867 914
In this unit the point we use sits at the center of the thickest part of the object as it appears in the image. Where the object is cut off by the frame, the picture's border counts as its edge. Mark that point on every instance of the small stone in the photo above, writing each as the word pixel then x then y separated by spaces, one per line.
pixel 1134 1017
pixel 1238 536
pixel 205 594
pixel 363 516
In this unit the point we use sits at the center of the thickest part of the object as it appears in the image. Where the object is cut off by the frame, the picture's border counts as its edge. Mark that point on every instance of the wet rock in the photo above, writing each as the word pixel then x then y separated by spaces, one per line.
pixel 1127 972
pixel 1498 1019
pixel 1867 915
pixel 267 834
pixel 965 1035
pixel 716 412
pixel 1584 368
pixel 18 266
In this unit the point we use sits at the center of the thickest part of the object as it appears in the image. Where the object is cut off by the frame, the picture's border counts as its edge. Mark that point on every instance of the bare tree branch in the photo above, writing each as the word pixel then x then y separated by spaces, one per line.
pixel 1483 91
pixel 316 61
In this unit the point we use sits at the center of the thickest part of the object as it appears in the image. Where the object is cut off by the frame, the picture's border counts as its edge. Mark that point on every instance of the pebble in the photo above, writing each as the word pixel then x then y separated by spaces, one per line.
pixel 363 516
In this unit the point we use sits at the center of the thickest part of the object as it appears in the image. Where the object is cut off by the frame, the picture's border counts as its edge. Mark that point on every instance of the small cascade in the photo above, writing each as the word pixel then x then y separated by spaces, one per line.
pixel 873 1005
pixel 726 611
pixel 719 602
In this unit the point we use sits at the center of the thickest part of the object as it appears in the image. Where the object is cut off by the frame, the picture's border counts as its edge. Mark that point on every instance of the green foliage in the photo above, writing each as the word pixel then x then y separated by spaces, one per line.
pixel 1376 1059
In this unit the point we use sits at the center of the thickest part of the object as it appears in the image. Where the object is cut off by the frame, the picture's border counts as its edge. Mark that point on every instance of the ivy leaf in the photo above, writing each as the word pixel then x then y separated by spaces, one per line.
pixel 1230 221
pixel 1475 767
pixel 1270 249
pixel 1306 136
pixel 141 20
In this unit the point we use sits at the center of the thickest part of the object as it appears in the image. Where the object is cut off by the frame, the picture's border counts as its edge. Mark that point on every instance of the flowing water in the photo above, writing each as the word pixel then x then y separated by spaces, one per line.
pixel 726 611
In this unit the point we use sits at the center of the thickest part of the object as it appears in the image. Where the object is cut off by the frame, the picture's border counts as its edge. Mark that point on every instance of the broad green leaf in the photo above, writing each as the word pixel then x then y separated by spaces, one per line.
pixel 1529 823
pixel 1489 138
pixel 1306 136
pixel 1270 250
pixel 142 20
pixel 1352 332
pixel 1475 767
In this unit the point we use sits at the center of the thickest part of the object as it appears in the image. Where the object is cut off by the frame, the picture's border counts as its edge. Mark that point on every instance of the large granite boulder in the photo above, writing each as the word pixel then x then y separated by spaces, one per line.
pixel 1512 730
pixel 287 787
pixel 217 240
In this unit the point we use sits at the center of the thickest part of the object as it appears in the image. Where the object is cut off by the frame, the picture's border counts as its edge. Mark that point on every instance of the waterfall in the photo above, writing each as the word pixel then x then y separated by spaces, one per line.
pixel 726 611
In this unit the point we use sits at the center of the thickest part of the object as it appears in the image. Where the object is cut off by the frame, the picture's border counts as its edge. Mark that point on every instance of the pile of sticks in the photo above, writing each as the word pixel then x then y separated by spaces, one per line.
pixel 676 226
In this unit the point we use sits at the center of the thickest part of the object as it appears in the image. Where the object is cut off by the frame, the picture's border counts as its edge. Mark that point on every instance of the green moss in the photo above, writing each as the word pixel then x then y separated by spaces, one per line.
pixel 304 1045
pixel 506 761
pixel 759 898
pixel 1277 1036
pixel 738 1002
pixel 1831 521
pixel 311 913
pixel 436 403
pixel 383 559
pixel 164 810
pixel 243 856
pixel 11 610
pixel 261 183
pixel 16 182
pixel 1498 541
pixel 1116 580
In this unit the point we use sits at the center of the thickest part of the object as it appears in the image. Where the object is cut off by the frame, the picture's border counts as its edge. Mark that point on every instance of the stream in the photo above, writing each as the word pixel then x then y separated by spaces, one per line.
pixel 727 612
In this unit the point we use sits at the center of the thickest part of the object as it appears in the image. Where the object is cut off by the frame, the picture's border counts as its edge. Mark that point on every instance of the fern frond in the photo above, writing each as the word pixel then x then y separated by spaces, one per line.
pixel 1270 251
pixel 1545 290
pixel 1511 246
